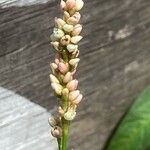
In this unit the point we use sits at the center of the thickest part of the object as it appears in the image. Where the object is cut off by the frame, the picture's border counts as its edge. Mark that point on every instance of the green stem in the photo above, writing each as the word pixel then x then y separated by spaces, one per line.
pixel 66 125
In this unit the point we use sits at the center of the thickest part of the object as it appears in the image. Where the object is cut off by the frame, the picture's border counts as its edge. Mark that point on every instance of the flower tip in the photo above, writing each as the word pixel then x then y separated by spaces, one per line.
pixel 79 5
pixel 70 4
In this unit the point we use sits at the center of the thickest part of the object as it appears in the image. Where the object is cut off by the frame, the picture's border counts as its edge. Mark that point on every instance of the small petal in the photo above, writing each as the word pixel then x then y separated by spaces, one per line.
pixel 68 27
pixel 53 67
pixel 74 62
pixel 65 40
pixel 55 45
pixel 63 5
pixel 77 30
pixel 65 92
pixel 59 22
pixel 73 95
pixel 78 99
pixel 72 85
pixel 79 5
pixel 70 4
pixel 63 68
pixel 70 115
pixel 57 88
pixel 74 19
pixel 76 39
pixel 68 77
pixel 58 33
pixel 53 79
pixel 66 15
pixel 53 38
pixel 72 47
pixel 61 111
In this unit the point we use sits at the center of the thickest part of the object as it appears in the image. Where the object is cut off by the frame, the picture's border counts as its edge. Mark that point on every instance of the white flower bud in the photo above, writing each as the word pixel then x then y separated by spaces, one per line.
pixel 70 115
pixel 55 45
pixel 76 39
pixel 58 33
pixel 79 5
pixel 66 15
pixel 74 62
pixel 53 67
pixel 72 47
pixel 68 27
pixel 57 88
pixel 53 79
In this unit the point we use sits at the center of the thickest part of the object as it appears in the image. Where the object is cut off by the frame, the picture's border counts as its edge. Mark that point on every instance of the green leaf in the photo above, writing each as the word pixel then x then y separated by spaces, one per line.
pixel 133 132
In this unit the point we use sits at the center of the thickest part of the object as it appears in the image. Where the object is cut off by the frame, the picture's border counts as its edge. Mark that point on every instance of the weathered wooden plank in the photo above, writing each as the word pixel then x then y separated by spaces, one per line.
pixel 114 66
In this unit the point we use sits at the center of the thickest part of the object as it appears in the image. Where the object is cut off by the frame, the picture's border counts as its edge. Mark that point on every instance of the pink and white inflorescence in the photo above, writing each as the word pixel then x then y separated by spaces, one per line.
pixel 64 39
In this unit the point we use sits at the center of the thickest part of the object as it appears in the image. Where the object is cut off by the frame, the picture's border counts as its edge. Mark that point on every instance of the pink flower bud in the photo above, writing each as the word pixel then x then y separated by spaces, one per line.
pixel 72 85
pixel 77 30
pixel 63 5
pixel 59 22
pixel 57 88
pixel 56 132
pixel 76 39
pixel 70 4
pixel 53 79
pixel 68 77
pixel 78 99
pixel 65 40
pixel 63 68
pixel 74 62
pixel 73 95
pixel 74 19
pixel 79 5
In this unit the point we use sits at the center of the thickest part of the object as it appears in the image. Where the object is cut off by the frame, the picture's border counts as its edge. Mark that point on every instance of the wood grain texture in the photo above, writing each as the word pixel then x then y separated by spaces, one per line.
pixel 114 67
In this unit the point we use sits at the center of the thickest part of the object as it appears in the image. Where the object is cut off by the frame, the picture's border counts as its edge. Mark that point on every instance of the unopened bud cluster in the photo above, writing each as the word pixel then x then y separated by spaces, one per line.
pixel 64 39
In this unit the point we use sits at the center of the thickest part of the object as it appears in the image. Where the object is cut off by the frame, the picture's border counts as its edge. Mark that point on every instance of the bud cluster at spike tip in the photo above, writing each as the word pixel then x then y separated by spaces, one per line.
pixel 64 39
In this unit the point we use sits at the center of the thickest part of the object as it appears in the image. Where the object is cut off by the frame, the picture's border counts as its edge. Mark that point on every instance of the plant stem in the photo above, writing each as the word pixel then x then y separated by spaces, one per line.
pixel 66 125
